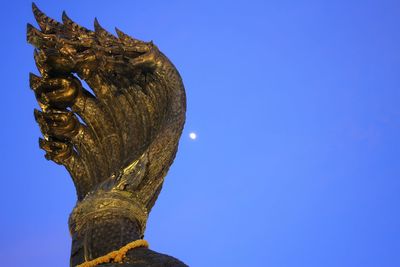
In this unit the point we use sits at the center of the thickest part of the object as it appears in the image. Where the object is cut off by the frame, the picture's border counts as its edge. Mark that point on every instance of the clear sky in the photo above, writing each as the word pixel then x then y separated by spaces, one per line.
pixel 296 109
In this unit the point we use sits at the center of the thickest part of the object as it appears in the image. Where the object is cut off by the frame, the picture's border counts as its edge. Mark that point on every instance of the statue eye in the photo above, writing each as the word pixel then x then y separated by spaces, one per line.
pixel 132 54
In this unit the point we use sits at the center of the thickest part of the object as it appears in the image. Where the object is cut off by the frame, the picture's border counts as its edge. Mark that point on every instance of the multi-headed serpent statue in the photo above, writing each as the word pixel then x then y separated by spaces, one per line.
pixel 117 141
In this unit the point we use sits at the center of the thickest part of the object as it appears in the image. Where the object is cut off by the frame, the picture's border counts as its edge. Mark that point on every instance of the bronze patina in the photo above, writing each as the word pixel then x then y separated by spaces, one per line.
pixel 117 139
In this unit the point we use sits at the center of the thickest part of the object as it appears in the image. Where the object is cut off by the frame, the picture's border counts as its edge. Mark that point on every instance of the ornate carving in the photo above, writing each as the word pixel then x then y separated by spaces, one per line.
pixel 117 139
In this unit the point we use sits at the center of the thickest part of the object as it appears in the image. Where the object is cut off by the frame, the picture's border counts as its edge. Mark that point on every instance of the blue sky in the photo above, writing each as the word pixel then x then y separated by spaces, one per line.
pixel 296 108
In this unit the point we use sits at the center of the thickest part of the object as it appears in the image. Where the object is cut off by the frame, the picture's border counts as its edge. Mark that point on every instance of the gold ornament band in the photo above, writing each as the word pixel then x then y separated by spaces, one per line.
pixel 102 203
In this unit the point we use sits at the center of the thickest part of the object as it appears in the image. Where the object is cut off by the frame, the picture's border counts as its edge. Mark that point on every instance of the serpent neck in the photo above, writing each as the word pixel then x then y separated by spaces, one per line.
pixel 101 236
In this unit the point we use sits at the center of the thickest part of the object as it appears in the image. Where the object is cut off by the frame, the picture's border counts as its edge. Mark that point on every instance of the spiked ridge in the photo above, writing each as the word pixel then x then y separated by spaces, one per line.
pixel 46 24
pixel 104 37
pixel 126 39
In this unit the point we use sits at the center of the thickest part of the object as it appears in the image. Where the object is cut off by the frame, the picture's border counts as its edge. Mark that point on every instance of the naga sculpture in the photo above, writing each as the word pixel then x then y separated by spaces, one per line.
pixel 117 139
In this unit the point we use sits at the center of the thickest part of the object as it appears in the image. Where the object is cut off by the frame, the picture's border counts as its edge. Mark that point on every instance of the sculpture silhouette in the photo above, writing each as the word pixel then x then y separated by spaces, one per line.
pixel 117 139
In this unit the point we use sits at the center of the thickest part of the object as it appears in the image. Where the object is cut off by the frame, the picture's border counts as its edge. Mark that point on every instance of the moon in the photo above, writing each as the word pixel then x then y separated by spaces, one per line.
pixel 193 135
